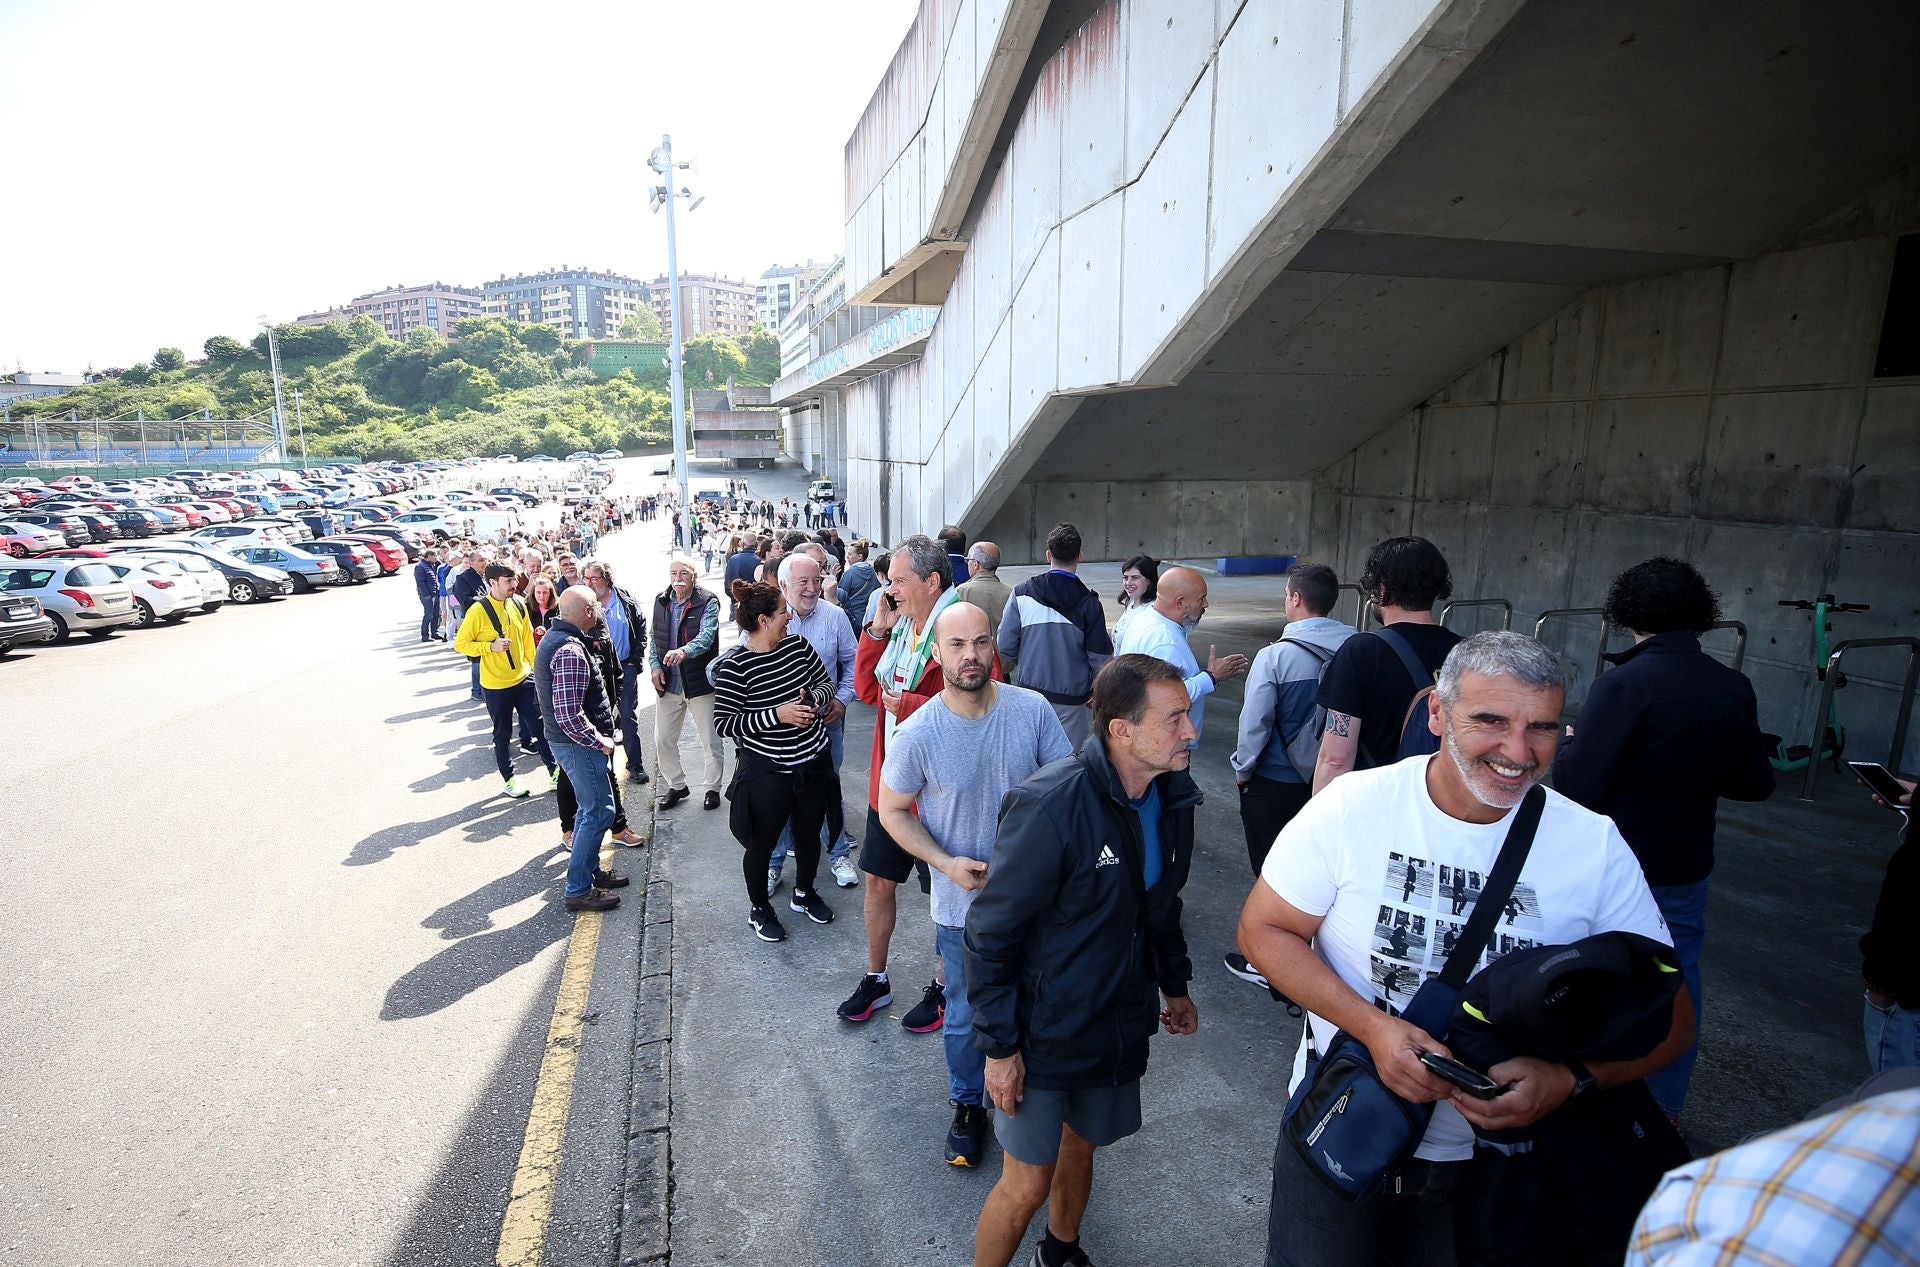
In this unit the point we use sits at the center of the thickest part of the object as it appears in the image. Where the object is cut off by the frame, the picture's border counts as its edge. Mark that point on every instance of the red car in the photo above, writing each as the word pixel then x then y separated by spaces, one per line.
pixel 389 554
pixel 233 506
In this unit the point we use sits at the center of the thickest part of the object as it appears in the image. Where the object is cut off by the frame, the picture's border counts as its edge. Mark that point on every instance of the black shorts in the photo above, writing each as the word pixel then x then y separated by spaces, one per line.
pixel 882 856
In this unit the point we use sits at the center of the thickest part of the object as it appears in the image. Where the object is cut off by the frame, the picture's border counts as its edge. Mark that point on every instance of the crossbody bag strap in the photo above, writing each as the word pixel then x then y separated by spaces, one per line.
pixel 1421 675
pixel 1499 887
pixel 500 631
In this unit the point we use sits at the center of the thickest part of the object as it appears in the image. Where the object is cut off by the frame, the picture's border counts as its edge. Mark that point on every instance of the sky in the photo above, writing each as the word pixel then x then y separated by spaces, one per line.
pixel 180 170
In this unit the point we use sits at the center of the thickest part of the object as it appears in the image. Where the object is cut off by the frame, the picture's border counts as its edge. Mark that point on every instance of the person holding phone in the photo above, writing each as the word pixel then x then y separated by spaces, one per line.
pixel 1889 968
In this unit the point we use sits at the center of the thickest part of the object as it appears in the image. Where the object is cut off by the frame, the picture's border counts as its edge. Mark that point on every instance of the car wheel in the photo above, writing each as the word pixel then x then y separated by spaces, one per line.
pixel 242 591
pixel 17 550
pixel 143 613
pixel 60 631
pixel 301 584
pixel 99 633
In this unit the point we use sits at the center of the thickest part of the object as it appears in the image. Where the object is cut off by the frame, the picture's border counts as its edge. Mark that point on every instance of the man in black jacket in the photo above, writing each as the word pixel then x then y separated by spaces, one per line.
pixel 627 628
pixel 1083 894
pixel 1663 736
pixel 1888 966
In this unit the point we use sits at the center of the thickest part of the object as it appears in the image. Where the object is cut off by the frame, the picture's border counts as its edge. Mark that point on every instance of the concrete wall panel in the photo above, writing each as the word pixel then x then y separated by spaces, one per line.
pixel 1796 317
pixel 1644 455
pixel 1210 519
pixel 1034 157
pixel 1461 533
pixel 1278 100
pixel 1383 464
pixel 933 489
pixel 1371 519
pixel 1556 360
pixel 1011 527
pixel 1782 457
pixel 1085 506
pixel 990 256
pixel 957 80
pixel 894 233
pixel 1093 82
pixel 1377 31
pixel 1036 332
pixel 1164 267
pixel 1090 297
pixel 1652 340
pixel 1137 519
pixel 1529 559
pixel 954 334
pixel 1456 453
pixel 1279 517
pixel 1540 454
pixel 961 465
pixel 1478 386
pixel 990 405
pixel 1753 568
pixel 1870 569
pixel 1169 43
pixel 1885 494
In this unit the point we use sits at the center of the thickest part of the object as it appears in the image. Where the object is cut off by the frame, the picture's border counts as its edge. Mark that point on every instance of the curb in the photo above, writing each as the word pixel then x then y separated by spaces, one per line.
pixel 647 1185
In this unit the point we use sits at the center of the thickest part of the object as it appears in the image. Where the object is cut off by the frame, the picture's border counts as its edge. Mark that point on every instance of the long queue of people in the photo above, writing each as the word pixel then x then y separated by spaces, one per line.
pixel 1030 767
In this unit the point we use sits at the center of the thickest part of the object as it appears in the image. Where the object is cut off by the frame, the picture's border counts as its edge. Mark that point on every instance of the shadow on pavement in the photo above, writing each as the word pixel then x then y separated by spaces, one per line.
pixel 476 961
pixel 482 822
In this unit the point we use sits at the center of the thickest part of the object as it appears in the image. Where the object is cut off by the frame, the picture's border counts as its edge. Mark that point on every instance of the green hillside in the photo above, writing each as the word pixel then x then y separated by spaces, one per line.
pixel 499 387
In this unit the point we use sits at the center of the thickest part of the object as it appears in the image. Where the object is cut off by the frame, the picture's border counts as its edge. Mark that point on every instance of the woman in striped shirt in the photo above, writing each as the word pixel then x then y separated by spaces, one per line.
pixel 769 694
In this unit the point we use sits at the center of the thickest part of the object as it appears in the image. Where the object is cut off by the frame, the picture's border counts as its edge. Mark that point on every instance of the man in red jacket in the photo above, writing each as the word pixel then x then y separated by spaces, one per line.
pixel 894 670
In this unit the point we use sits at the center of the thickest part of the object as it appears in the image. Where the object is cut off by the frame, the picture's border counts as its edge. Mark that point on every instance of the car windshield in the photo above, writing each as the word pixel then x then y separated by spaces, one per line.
pixel 23 579
pixel 91 574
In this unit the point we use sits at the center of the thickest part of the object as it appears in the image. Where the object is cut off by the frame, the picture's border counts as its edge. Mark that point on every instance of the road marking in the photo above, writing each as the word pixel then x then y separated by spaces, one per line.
pixel 523 1229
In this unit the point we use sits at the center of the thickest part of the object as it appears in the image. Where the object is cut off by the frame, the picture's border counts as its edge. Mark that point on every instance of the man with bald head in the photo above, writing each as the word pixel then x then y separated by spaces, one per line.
pixel 1161 631
pixel 579 717
pixel 955 758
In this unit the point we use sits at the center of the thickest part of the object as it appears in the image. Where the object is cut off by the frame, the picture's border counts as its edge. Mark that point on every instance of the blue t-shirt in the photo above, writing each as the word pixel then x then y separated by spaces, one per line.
pixel 1148 808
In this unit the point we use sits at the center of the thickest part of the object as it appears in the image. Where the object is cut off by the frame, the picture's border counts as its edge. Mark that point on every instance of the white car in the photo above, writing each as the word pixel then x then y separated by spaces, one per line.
pixel 21 540
pixel 453 523
pixel 80 595
pixel 162 589
pixel 226 536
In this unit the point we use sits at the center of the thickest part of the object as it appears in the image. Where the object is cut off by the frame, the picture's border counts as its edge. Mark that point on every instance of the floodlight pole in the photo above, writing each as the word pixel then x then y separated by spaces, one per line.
pixel 303 429
pixel 662 162
pixel 279 401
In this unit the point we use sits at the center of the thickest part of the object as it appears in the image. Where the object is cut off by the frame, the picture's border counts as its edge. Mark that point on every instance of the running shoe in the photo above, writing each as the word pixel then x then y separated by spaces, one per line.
pixel 1078 1258
pixel 513 788
pixel 845 874
pixel 765 924
pixel 868 997
pixel 1237 964
pixel 967 1137
pixel 810 905
pixel 930 1012
pixel 773 881
pixel 553 779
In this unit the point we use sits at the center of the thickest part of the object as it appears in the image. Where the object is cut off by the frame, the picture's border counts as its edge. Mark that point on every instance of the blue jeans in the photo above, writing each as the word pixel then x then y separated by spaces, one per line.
pixel 966 1064
pixel 836 814
pixel 629 720
pixel 593 788
pixel 1685 909
pixel 1893 1037
pixel 430 619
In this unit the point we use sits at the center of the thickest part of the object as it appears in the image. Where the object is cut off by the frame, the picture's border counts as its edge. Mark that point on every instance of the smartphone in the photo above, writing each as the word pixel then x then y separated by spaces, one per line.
pixel 893 604
pixel 1881 780
pixel 1472 1081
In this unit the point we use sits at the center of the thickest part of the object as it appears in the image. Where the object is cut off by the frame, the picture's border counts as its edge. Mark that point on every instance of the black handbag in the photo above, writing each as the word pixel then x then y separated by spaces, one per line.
pixel 1349 1129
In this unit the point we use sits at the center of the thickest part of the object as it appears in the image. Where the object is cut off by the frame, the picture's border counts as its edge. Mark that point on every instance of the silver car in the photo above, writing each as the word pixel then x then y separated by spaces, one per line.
pixel 78 595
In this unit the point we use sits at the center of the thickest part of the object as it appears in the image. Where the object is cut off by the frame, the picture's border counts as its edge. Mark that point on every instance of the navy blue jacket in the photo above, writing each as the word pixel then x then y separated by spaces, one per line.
pixel 426 580
pixel 1662 738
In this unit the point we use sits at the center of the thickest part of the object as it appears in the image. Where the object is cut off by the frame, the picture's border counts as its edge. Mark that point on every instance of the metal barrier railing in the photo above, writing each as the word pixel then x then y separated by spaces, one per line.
pixel 1359 600
pixel 1606 627
pixel 1820 715
pixel 1506 609
pixel 1739 641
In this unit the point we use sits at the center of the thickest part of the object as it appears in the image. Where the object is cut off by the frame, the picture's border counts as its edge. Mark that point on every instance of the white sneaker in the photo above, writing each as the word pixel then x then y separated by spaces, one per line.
pixel 513 788
pixel 773 881
pixel 845 874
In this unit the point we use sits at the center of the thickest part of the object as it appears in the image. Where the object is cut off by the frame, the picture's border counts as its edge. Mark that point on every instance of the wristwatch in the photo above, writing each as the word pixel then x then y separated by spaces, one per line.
pixel 1583 1080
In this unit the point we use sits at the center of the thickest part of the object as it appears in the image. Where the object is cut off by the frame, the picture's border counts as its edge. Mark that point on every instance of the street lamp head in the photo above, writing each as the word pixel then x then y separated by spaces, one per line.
pixel 695 204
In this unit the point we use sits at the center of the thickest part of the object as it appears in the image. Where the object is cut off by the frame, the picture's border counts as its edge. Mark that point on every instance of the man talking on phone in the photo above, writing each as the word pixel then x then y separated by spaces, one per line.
pixel 954 760
pixel 1083 894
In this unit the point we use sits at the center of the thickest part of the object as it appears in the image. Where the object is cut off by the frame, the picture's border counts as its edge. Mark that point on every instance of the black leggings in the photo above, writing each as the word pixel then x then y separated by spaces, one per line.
pixel 1267 805
pixel 765 796
pixel 570 804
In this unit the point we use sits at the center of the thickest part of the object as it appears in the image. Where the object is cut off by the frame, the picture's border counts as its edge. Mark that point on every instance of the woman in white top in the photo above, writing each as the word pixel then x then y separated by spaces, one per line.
pixel 1139 585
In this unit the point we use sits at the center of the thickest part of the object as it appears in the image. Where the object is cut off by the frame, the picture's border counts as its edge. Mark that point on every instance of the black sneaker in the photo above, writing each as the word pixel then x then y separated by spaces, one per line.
pixel 930 1012
pixel 1237 964
pixel 868 997
pixel 967 1137
pixel 526 745
pixel 638 776
pixel 808 903
pixel 1078 1258
pixel 765 924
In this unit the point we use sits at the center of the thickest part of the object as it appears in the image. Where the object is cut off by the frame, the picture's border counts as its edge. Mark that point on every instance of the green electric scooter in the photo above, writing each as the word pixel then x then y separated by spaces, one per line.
pixel 1785 756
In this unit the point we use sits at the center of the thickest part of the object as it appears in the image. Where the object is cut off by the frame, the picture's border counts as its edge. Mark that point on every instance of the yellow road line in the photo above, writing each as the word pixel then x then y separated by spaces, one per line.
pixel 523 1229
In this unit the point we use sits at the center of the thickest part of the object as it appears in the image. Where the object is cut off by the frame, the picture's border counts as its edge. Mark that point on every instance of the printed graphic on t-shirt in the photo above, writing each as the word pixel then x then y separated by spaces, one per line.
pixel 1459 889
pixel 1401 934
pixel 1394 983
pixel 1522 911
pixel 1506 943
pixel 1409 881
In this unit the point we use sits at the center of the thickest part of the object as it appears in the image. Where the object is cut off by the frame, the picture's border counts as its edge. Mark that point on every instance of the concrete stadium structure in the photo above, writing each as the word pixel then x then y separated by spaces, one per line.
pixel 1558 285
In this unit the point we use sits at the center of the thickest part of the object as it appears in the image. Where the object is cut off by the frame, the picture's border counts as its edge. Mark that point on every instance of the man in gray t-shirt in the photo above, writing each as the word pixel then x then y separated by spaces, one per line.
pixel 954 760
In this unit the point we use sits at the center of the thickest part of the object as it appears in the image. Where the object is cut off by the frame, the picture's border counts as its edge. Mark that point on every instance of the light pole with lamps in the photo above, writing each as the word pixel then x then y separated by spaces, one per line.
pixel 279 401
pixel 302 427
pixel 661 161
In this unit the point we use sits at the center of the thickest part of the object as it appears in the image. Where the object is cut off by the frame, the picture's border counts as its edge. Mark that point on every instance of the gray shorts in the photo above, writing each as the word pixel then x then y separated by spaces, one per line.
pixel 1099 1115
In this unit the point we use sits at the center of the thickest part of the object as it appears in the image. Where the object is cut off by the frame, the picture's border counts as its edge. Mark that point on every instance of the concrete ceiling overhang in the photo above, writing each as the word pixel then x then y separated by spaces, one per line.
pixel 1590 143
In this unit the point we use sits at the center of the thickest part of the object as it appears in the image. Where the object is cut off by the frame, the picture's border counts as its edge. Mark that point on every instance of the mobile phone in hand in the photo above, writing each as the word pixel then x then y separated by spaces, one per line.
pixel 1881 780
pixel 1472 1081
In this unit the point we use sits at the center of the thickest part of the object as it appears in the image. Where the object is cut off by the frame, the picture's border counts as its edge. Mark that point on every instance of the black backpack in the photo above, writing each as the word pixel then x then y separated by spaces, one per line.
pixel 1416 737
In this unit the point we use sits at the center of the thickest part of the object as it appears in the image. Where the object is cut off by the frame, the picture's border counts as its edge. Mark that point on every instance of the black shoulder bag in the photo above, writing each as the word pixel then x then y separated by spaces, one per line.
pixel 1349 1129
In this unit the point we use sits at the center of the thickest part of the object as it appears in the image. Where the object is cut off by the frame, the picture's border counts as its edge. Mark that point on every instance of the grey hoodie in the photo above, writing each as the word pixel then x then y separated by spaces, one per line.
pixel 1281 686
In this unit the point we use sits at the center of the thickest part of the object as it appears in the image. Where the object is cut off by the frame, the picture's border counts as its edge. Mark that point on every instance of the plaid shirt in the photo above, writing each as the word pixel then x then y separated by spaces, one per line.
pixel 1844 1188
pixel 571 674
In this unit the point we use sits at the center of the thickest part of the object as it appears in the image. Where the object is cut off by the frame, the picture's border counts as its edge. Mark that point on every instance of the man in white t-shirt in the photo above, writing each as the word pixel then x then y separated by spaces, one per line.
pixel 1360 899
pixel 947 770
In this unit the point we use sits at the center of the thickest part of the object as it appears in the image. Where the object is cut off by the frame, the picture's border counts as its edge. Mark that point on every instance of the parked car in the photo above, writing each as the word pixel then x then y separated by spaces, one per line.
pixel 386 553
pixel 307 569
pixel 22 622
pixel 414 543
pixel 294 530
pixel 162 590
pixel 356 560
pixel 238 534
pixel 23 539
pixel 78 595
pixel 211 581
pixel 136 523
pixel 246 582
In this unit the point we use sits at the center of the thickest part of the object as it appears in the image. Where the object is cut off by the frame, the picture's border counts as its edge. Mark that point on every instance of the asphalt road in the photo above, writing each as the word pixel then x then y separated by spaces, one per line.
pixel 279 961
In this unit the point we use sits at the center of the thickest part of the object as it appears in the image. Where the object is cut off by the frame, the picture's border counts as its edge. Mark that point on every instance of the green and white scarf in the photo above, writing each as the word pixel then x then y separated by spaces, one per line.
pixel 908 653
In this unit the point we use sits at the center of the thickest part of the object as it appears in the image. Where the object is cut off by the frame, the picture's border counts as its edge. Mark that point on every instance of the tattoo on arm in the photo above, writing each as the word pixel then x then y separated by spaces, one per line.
pixel 1338 723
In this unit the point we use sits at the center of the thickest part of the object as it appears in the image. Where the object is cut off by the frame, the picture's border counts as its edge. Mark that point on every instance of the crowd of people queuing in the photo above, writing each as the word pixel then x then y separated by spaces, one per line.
pixel 1030 768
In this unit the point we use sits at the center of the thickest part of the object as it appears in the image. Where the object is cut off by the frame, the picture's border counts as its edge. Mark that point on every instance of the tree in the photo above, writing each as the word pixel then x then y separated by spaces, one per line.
pixel 137 374
pixel 643 326
pixel 190 399
pixel 762 347
pixel 712 359
pixel 169 359
pixel 222 350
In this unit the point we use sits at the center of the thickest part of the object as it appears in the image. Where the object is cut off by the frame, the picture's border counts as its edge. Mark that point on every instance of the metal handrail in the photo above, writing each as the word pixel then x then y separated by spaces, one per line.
pixel 1360 598
pixel 1739 640
pixel 1606 627
pixel 1832 675
pixel 1506 609
pixel 1369 612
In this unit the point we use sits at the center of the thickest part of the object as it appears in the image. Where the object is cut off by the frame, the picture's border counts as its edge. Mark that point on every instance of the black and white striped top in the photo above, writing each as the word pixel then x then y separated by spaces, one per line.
pixel 749 685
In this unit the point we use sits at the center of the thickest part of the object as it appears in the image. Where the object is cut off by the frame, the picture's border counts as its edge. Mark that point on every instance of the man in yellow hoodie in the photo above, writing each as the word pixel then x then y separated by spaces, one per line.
pixel 496 632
